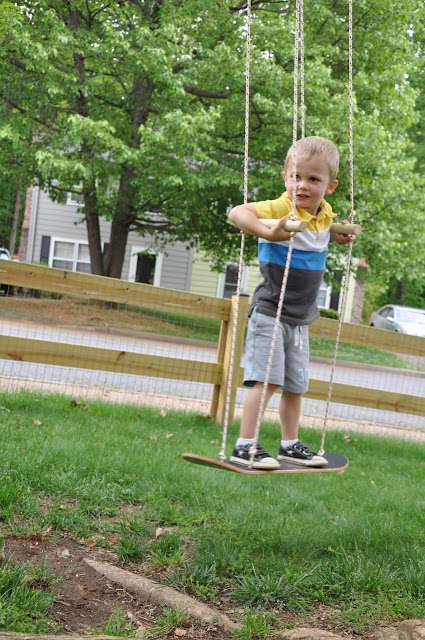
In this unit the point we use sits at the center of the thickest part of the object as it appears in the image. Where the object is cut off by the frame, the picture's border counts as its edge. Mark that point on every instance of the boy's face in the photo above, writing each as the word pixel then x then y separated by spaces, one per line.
pixel 311 183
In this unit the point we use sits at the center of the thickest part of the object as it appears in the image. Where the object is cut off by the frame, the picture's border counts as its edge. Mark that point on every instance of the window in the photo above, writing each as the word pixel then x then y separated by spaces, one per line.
pixel 75 198
pixel 228 281
pixel 324 297
pixel 386 312
pixel 145 266
pixel 70 255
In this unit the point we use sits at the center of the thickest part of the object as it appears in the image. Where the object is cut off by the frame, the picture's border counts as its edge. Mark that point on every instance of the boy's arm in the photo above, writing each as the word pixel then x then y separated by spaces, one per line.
pixel 244 216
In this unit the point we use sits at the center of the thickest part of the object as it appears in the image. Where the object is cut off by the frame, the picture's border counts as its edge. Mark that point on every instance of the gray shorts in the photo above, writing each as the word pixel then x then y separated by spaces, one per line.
pixel 289 368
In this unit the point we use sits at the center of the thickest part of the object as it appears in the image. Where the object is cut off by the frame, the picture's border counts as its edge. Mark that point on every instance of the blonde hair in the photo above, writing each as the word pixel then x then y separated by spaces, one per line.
pixel 316 146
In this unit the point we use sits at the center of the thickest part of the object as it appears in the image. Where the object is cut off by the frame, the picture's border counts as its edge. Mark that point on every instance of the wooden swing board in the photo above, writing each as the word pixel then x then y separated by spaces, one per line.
pixel 336 464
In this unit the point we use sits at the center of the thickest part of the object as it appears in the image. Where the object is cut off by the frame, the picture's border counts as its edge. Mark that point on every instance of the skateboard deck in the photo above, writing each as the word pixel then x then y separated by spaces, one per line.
pixel 336 464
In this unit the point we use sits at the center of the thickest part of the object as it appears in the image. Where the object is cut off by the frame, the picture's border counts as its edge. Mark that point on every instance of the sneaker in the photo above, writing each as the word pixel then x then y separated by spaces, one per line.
pixel 262 459
pixel 298 453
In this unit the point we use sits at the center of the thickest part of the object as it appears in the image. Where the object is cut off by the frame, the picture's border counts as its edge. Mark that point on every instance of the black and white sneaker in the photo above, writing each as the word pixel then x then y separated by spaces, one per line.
pixel 298 453
pixel 262 459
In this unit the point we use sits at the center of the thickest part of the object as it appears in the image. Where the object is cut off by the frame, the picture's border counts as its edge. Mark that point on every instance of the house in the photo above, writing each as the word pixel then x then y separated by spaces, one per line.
pixel 55 234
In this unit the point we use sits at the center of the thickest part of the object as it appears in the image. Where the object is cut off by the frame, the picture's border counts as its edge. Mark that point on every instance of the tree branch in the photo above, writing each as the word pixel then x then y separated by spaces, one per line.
pixel 205 93
pixel 27 112
pixel 257 5
pixel 104 100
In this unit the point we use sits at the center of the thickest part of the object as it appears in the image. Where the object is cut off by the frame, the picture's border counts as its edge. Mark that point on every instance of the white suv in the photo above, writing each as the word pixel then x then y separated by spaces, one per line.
pixel 401 319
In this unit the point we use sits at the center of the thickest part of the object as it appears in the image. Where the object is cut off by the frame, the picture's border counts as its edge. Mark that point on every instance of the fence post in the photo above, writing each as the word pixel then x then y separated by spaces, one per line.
pixel 218 402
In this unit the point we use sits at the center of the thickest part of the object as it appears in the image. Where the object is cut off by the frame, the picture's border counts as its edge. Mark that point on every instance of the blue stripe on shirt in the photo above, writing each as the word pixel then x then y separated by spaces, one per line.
pixel 277 254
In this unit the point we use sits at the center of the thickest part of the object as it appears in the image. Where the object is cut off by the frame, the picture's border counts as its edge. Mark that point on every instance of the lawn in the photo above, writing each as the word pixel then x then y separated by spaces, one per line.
pixel 277 549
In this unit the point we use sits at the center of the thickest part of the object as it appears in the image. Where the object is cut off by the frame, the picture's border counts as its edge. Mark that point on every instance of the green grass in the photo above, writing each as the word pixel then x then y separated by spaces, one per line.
pixel 355 542
pixel 325 348
pixel 165 624
pixel 25 598
pixel 118 624
pixel 183 325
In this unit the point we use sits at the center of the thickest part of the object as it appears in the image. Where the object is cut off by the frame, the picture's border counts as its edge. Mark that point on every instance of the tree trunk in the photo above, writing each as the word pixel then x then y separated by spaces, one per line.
pixel 24 232
pixel 124 215
pixel 127 202
pixel 89 189
pixel 117 247
pixel 399 291
pixel 15 223
pixel 93 230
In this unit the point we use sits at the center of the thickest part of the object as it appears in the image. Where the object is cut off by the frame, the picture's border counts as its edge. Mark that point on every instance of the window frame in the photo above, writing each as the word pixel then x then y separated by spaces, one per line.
pixel 328 292
pixel 75 259
pixel 222 280
pixel 135 249
pixel 73 203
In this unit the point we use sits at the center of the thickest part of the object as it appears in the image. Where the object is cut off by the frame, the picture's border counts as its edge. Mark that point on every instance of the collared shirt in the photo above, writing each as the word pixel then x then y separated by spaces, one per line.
pixel 308 262
pixel 282 207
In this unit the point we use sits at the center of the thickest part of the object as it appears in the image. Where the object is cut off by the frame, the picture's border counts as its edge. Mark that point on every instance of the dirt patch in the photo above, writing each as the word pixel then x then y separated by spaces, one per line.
pixel 84 600
pixel 70 312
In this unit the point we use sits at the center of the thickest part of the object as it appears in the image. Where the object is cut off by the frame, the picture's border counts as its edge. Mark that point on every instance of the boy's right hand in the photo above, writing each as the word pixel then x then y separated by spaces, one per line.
pixel 244 217
pixel 277 232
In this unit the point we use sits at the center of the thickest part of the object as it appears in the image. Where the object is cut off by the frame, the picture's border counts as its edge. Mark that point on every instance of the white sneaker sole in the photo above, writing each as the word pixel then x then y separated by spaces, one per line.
pixel 317 461
pixel 267 464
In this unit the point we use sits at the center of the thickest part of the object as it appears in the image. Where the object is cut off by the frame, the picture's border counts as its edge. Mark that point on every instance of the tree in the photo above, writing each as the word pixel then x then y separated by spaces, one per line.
pixel 110 91
pixel 139 104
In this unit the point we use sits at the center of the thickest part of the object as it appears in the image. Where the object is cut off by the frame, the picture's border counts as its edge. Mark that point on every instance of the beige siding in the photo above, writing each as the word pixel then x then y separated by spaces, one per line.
pixel 253 278
pixel 204 280
pixel 177 267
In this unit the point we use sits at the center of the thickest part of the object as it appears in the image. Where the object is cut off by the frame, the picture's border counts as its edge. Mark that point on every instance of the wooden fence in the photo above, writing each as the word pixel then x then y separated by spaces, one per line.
pixel 90 287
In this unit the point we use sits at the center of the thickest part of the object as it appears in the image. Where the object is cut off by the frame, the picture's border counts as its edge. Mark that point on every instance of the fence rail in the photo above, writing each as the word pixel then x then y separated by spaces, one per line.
pixel 87 286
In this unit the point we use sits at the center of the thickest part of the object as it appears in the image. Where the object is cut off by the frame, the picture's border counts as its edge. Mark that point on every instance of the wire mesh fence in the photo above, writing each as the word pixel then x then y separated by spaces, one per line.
pixel 167 349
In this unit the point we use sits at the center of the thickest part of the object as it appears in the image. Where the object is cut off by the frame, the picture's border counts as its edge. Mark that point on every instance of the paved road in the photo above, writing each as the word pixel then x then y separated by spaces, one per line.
pixel 370 377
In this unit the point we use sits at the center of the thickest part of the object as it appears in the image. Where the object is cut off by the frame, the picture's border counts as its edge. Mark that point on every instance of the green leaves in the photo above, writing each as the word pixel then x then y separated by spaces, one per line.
pixel 144 103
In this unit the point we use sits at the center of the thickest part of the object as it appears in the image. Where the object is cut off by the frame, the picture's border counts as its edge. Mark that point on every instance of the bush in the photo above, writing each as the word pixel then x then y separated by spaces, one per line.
pixel 328 313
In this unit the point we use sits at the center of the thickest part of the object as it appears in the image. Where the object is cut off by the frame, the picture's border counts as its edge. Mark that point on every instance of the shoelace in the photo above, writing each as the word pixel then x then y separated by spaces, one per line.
pixel 260 452
pixel 303 449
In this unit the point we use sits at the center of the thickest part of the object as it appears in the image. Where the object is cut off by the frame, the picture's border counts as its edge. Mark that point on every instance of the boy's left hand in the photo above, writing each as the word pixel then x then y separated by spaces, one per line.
pixel 343 238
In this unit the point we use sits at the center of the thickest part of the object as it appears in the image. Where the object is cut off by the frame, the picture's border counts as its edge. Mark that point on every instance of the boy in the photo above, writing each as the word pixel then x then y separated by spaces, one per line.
pixel 316 161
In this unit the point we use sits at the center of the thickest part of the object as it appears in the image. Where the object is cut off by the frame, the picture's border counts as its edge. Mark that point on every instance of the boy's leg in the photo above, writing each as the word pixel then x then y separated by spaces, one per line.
pixel 290 413
pixel 257 350
pixel 251 408
pixel 296 383
pixel 242 451
pixel 291 448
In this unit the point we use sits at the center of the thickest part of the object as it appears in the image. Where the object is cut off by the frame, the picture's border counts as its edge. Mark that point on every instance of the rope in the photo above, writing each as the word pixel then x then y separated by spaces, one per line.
pixel 298 102
pixel 297 39
pixel 302 73
pixel 346 277
pixel 248 22
pixel 296 71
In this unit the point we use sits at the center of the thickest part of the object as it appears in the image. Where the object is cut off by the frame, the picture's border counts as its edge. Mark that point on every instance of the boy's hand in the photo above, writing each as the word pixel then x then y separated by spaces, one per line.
pixel 342 238
pixel 277 232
